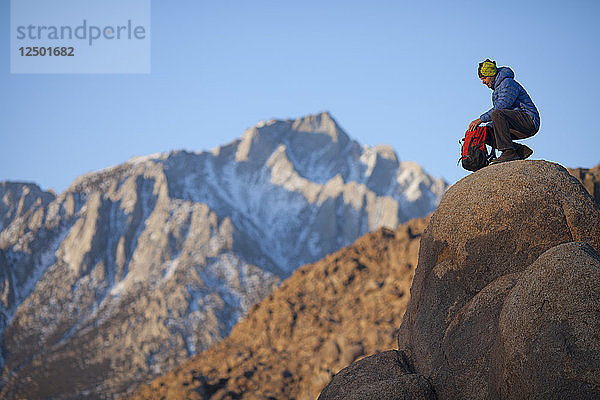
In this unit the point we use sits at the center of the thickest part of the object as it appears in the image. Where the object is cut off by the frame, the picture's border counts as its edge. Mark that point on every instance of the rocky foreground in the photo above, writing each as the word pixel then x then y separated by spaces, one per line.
pixel 505 302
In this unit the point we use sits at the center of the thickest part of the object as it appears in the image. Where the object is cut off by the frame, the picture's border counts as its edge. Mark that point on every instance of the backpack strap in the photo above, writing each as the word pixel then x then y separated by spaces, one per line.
pixel 492 154
pixel 460 143
pixel 488 131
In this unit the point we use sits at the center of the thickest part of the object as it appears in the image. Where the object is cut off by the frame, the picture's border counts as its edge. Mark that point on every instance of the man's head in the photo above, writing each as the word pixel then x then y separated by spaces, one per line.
pixel 487 72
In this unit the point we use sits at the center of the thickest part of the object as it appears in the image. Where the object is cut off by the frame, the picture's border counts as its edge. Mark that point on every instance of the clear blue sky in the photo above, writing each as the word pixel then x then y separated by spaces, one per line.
pixel 394 72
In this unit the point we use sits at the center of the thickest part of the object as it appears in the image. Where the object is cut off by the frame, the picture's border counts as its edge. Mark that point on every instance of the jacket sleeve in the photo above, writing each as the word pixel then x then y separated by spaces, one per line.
pixel 507 94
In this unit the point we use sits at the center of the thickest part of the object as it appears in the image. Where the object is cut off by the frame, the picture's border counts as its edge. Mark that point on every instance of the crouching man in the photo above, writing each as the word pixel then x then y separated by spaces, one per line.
pixel 513 115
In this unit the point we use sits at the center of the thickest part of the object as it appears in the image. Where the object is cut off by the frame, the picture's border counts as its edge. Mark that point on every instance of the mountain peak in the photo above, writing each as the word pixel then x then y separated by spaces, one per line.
pixel 322 123
pixel 319 123
pixel 311 139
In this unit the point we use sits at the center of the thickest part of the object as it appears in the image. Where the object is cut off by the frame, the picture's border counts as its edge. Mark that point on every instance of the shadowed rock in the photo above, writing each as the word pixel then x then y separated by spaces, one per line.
pixel 383 376
pixel 488 230
pixel 549 327
pixel 531 334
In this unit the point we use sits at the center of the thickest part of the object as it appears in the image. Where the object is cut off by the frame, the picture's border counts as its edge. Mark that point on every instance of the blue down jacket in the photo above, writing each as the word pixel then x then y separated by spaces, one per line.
pixel 509 94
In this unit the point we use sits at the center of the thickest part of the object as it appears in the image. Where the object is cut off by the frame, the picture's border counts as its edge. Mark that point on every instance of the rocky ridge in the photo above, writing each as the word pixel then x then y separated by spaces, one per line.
pixel 589 178
pixel 504 303
pixel 20 202
pixel 18 199
pixel 323 317
pixel 137 267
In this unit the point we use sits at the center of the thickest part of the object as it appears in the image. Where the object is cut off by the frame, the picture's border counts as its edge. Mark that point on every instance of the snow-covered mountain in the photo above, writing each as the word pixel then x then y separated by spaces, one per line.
pixel 135 268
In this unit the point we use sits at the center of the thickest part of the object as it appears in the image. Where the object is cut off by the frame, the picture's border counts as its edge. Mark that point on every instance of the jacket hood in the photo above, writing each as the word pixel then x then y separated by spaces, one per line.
pixel 503 73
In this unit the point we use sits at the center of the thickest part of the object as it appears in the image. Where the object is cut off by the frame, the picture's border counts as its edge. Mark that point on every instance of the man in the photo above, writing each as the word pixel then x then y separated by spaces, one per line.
pixel 513 116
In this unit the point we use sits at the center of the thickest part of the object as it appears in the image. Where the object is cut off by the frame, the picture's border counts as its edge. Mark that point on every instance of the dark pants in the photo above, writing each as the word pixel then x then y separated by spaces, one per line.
pixel 510 125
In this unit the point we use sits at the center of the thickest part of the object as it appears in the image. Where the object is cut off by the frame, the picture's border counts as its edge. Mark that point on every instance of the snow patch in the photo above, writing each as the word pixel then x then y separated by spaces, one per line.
pixel 45 260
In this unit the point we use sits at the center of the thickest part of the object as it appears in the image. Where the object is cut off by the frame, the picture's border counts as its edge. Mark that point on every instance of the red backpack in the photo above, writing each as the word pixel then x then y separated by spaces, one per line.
pixel 474 154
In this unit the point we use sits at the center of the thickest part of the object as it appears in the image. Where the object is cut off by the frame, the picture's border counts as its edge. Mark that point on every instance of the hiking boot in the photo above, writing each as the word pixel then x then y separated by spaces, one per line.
pixel 523 151
pixel 507 155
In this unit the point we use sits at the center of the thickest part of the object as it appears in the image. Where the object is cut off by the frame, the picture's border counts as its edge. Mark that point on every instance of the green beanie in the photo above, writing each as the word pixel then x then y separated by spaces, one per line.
pixel 487 68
